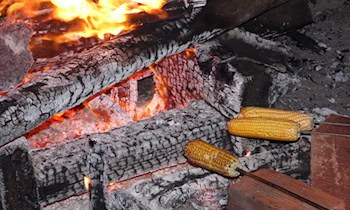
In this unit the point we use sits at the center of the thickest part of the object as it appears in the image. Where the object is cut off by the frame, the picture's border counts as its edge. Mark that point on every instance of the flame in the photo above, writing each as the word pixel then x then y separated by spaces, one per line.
pixel 190 53
pixel 97 17
pixel 248 153
pixel 87 182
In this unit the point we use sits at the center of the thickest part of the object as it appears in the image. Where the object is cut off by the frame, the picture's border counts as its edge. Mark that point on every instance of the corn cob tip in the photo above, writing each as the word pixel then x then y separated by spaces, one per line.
pixel 211 158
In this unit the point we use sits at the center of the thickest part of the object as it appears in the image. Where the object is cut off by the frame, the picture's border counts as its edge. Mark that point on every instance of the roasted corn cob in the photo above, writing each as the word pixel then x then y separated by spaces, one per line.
pixel 212 158
pixel 264 128
pixel 304 120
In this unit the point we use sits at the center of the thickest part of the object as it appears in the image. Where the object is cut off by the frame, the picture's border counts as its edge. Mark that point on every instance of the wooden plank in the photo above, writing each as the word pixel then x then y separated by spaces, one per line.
pixel 330 155
pixel 249 193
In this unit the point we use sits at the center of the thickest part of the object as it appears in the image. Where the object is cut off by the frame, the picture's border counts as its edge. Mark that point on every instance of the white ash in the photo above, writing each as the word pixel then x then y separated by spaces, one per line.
pixel 281 85
pixel 72 203
pixel 197 187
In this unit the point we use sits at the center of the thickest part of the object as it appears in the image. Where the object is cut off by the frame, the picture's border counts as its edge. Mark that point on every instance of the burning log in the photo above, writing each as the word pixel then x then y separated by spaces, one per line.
pixel 16 58
pixel 129 151
pixel 74 80
pixel 70 83
pixel 18 187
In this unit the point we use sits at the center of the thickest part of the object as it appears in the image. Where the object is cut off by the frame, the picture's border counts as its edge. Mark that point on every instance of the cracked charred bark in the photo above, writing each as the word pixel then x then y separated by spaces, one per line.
pixel 74 80
pixel 129 151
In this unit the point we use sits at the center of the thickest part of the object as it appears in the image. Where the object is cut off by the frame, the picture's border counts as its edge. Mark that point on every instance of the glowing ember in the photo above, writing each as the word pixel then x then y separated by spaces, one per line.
pixel 249 153
pixel 95 18
pixel 97 116
pixel 190 53
pixel 155 106
pixel 87 182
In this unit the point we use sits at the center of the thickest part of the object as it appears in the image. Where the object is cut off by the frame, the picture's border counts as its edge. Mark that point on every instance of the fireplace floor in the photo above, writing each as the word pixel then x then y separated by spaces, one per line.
pixel 322 82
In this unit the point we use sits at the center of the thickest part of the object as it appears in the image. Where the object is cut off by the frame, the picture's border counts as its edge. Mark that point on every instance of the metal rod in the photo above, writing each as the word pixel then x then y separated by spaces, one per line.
pixel 262 180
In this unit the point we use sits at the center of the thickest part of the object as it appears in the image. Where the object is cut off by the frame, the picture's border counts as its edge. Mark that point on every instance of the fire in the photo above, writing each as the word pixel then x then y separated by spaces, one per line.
pixel 248 153
pixel 96 17
pixel 87 182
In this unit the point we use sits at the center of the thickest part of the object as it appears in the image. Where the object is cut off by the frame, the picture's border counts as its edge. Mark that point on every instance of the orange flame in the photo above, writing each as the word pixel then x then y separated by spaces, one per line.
pixel 99 17
pixel 87 182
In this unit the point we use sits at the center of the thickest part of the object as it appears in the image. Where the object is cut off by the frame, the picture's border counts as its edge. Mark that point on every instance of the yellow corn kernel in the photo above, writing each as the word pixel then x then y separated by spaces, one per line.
pixel 264 128
pixel 212 158
pixel 305 121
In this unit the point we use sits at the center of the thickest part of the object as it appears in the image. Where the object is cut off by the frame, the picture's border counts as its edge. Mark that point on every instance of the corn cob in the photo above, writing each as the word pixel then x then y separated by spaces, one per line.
pixel 304 120
pixel 212 158
pixel 264 128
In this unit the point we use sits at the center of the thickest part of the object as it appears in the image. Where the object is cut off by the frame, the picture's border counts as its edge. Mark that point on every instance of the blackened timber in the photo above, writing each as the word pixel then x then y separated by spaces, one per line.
pixel 88 73
pixel 251 46
pixel 287 17
pixel 129 151
pixel 227 13
pixel 18 186
pixel 74 80
pixel 97 191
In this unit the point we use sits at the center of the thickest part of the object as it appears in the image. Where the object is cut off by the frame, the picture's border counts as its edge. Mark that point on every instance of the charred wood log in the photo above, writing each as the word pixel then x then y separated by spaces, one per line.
pixel 189 186
pixel 221 74
pixel 223 13
pixel 253 47
pixel 16 58
pixel 97 191
pixel 192 187
pixel 18 186
pixel 128 151
pixel 287 17
pixel 292 159
pixel 110 112
pixel 74 80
